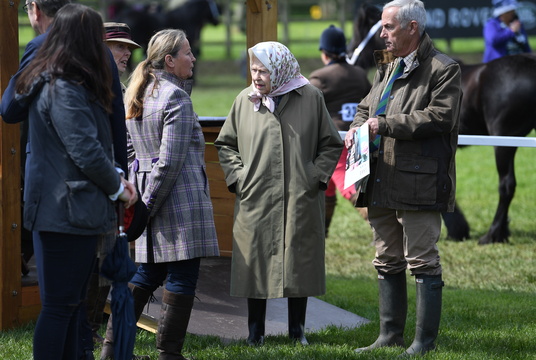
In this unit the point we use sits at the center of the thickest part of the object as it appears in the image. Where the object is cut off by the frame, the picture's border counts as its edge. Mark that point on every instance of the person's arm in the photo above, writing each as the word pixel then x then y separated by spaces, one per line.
pixel 129 195
pixel 228 151
pixel 178 124
pixel 437 118
pixel 496 35
pixel 329 144
pixel 12 111
pixel 77 127
pixel 363 108
pixel 525 43
pixel 117 119
pixel 361 117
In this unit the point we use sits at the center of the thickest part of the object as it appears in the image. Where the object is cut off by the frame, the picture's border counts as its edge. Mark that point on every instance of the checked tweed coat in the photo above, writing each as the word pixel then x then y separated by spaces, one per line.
pixel 170 172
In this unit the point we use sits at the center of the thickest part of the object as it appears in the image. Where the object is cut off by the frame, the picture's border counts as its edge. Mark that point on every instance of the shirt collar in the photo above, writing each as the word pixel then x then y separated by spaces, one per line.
pixel 409 59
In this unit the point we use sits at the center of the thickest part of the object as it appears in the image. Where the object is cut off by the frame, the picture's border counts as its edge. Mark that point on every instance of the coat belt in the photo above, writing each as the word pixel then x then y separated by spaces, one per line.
pixel 143 165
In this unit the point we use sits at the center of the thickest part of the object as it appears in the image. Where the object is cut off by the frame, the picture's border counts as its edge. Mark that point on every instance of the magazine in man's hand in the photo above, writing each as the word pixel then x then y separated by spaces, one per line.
pixel 357 161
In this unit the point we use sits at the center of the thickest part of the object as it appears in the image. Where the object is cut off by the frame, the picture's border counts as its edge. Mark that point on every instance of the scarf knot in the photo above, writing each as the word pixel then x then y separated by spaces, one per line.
pixel 257 99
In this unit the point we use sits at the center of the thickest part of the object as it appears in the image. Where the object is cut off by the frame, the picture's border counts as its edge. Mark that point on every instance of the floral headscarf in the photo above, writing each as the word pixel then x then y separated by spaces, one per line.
pixel 284 71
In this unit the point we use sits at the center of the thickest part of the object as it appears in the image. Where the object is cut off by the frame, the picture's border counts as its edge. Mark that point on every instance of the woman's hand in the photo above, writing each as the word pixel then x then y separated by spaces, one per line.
pixel 129 196
pixel 515 26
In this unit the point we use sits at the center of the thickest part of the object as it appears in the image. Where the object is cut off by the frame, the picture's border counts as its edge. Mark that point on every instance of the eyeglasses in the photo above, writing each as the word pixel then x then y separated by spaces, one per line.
pixel 25 7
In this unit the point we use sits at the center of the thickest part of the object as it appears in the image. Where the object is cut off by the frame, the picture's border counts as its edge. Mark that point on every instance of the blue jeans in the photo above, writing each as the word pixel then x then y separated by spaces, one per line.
pixel 181 276
pixel 64 263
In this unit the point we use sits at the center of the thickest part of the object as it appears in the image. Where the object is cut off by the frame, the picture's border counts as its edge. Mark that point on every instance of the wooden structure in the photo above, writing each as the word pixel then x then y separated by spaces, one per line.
pixel 20 304
pixel 17 304
pixel 222 199
pixel 261 20
pixel 261 23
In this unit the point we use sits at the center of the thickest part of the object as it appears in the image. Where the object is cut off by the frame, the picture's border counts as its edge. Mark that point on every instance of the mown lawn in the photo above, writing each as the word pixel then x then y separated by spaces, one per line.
pixel 489 297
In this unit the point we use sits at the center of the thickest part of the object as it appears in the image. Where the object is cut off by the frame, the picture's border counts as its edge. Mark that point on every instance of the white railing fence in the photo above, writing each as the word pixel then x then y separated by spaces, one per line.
pixel 512 141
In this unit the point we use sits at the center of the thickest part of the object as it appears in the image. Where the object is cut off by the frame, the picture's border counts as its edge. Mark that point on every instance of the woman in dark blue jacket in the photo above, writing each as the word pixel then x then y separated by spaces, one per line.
pixel 71 180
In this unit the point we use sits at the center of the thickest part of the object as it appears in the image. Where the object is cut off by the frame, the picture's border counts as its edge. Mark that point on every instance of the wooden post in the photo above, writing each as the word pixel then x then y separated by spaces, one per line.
pixel 10 222
pixel 222 200
pixel 261 24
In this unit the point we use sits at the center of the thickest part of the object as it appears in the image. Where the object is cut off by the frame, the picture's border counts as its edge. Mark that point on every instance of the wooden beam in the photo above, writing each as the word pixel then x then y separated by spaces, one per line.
pixel 255 6
pixel 261 24
pixel 10 222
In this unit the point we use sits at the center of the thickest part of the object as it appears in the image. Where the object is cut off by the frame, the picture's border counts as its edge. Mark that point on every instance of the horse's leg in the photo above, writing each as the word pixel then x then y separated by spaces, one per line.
pixel 499 231
pixel 456 224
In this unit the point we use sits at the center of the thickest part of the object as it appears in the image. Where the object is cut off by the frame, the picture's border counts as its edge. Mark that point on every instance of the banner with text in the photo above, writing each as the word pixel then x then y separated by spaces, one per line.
pixel 447 19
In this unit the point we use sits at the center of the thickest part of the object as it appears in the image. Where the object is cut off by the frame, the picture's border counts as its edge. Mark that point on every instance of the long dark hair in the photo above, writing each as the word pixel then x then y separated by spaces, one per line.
pixel 74 50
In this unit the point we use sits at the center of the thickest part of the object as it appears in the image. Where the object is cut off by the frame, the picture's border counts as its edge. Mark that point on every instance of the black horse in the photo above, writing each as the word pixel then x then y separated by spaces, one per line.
pixel 499 99
pixel 191 17
pixel 364 37
pixel 145 20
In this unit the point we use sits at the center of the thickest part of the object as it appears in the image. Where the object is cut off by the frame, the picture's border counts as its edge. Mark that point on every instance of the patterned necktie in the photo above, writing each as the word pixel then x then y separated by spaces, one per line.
pixel 397 72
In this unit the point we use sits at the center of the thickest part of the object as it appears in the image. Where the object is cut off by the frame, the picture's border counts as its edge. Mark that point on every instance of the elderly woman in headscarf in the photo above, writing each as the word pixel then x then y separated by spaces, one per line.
pixel 278 148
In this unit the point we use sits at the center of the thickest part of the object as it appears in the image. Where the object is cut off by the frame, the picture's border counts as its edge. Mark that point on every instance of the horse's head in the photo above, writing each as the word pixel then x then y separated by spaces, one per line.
pixel 367 16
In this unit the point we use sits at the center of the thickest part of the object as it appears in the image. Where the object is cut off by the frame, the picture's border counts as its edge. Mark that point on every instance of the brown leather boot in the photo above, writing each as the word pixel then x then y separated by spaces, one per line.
pixel 141 297
pixel 172 326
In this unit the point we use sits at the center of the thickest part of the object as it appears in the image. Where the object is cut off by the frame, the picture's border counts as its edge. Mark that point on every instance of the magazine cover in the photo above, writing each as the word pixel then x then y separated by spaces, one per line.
pixel 357 162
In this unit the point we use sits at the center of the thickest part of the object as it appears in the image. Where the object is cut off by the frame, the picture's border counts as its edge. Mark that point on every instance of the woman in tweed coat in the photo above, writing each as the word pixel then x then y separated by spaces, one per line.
pixel 169 167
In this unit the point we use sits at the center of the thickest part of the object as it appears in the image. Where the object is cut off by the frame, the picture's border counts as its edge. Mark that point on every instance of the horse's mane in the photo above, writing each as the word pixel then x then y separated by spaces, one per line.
pixel 366 16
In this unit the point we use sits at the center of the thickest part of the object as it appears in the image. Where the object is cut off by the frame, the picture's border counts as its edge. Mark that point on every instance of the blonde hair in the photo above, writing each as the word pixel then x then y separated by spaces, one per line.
pixel 164 42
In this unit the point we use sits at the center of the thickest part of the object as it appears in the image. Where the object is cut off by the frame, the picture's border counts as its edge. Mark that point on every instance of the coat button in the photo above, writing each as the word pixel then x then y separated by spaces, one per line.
pixel 391 97
pixel 417 167
pixel 378 180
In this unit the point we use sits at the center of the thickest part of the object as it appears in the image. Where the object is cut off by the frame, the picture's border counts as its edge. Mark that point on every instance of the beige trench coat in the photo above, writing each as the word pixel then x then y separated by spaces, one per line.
pixel 278 165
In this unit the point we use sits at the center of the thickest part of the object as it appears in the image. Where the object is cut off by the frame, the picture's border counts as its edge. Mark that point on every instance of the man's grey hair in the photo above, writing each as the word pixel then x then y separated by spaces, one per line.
pixel 409 10
pixel 50 7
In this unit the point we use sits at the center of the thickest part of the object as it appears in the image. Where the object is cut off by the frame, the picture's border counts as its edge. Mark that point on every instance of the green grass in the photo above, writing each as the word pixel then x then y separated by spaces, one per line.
pixel 489 297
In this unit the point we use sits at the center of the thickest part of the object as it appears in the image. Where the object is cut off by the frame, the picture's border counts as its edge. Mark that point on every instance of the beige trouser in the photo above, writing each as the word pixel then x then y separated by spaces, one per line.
pixel 406 239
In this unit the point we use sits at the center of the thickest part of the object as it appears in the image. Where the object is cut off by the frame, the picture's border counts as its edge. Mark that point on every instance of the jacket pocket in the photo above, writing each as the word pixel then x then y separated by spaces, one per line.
pixel 87 205
pixel 240 184
pixel 313 179
pixel 415 180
